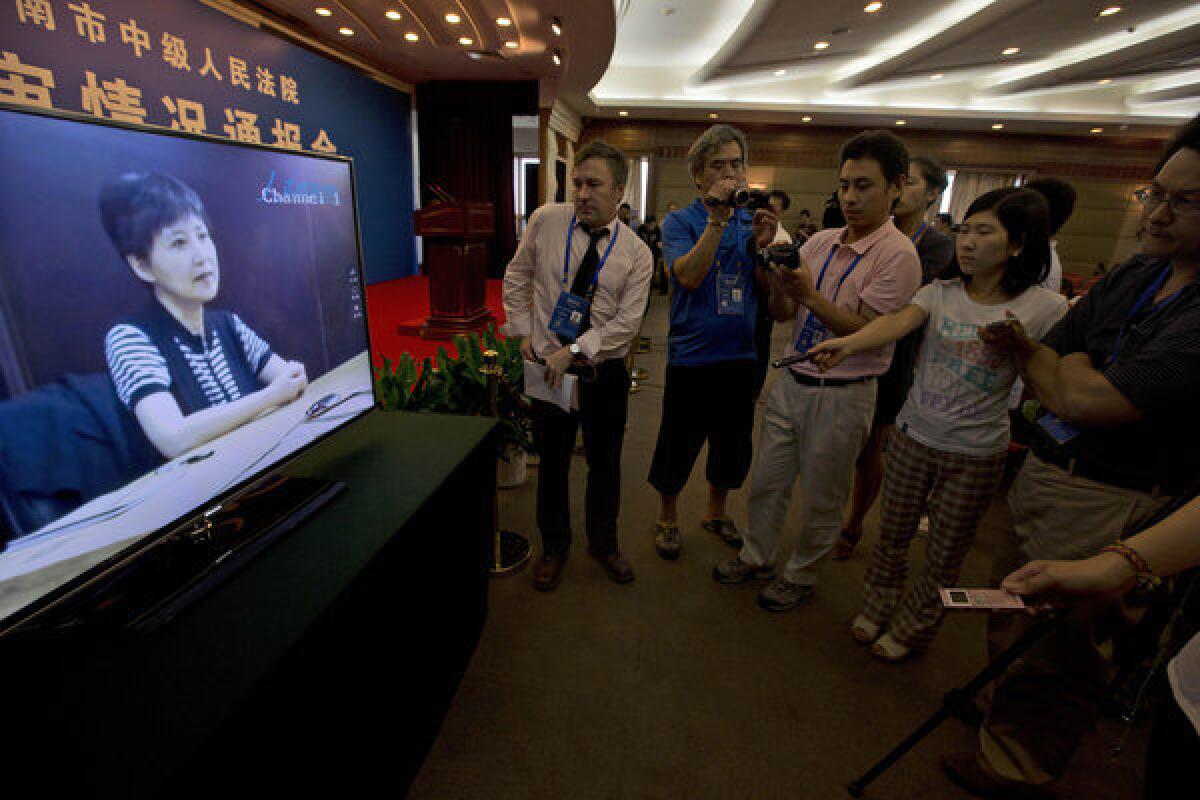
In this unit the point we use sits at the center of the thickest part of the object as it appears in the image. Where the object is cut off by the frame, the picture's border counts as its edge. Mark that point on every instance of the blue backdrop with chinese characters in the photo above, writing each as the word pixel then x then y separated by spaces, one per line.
pixel 180 64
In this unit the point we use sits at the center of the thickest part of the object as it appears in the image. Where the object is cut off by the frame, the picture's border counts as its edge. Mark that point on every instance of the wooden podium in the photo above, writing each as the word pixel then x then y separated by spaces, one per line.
pixel 456 237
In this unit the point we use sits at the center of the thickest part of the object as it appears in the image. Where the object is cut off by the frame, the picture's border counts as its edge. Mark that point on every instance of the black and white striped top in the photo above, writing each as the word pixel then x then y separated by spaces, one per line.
pixel 139 368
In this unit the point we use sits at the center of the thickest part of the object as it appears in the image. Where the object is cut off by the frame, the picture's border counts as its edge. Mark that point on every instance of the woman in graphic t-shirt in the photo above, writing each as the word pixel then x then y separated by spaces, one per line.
pixel 946 456
pixel 188 373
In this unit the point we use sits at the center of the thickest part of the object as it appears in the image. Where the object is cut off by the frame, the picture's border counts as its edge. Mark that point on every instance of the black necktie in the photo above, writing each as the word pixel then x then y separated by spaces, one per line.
pixel 582 285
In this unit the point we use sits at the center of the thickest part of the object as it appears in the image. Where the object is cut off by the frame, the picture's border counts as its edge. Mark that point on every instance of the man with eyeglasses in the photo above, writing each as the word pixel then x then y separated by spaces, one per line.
pixel 1119 379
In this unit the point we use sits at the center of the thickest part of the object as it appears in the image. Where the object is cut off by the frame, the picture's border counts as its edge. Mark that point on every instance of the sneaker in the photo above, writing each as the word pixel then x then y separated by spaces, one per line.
pixel 724 528
pixel 666 540
pixel 737 571
pixel 782 595
pixel 863 630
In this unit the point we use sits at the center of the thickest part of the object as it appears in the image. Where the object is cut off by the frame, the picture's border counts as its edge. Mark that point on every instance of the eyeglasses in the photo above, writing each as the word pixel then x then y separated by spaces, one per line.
pixel 1185 204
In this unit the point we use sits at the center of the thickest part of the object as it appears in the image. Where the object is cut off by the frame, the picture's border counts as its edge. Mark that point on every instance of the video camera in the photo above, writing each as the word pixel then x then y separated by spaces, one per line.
pixel 782 254
pixel 752 199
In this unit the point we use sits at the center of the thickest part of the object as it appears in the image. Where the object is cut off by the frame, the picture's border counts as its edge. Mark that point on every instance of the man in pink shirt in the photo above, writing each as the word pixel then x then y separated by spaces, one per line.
pixel 816 423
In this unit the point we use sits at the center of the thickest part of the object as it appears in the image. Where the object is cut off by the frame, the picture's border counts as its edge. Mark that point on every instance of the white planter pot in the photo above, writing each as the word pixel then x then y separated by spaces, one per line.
pixel 511 473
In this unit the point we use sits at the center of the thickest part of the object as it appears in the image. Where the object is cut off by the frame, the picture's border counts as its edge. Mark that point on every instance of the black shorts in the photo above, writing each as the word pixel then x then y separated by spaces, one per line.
pixel 713 403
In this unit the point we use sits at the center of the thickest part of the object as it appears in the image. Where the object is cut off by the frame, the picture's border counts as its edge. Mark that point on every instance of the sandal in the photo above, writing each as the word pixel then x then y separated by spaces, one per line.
pixel 863 630
pixel 890 650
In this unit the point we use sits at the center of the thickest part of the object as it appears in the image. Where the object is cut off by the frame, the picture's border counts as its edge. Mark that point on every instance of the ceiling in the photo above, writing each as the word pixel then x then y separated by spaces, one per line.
pixel 930 63
pixel 417 43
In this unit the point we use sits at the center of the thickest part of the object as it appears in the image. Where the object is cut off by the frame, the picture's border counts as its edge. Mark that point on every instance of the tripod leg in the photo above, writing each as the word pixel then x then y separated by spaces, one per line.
pixel 956 698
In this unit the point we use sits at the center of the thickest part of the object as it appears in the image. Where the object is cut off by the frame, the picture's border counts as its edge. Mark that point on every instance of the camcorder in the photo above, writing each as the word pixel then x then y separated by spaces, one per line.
pixel 752 199
pixel 781 254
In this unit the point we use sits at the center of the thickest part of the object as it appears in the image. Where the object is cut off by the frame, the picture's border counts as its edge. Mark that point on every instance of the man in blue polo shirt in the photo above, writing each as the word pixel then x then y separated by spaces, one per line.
pixel 710 387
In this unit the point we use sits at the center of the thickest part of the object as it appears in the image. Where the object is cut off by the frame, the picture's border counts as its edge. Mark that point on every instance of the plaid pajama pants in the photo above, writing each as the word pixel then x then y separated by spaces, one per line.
pixel 959 489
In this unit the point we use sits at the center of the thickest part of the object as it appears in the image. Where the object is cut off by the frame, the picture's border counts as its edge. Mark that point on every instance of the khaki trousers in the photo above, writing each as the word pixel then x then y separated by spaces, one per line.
pixel 1042 708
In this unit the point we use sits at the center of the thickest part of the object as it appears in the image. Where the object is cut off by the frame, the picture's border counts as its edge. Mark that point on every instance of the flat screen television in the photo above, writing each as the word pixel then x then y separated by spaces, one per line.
pixel 178 315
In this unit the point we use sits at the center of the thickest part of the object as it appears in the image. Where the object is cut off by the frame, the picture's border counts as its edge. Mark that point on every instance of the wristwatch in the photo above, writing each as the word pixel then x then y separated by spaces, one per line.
pixel 574 349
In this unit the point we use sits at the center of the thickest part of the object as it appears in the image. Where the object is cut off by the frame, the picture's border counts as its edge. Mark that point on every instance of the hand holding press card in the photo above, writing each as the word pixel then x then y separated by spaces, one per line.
pixel 981 600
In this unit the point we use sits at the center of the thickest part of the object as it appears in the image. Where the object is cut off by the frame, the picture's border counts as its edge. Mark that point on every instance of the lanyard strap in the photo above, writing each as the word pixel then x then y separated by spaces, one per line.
pixel 1144 298
pixel 845 274
pixel 612 239
pixel 916 237
pixel 740 245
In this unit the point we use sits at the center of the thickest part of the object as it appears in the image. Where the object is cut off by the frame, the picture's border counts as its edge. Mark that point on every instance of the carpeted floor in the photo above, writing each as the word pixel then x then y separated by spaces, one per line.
pixel 677 687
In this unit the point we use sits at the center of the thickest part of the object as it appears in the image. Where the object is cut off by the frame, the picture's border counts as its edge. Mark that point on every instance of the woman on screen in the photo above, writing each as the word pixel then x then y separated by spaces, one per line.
pixel 187 372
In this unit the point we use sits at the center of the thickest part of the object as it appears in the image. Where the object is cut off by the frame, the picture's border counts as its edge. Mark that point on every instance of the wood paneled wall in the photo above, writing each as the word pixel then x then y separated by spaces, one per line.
pixel 802 161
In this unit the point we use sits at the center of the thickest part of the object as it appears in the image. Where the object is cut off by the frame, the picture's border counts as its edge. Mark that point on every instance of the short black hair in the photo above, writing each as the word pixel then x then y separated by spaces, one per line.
pixel 1025 216
pixel 934 172
pixel 135 207
pixel 626 205
pixel 884 147
pixel 1187 136
pixel 1060 196
pixel 806 211
pixel 946 218
pixel 780 193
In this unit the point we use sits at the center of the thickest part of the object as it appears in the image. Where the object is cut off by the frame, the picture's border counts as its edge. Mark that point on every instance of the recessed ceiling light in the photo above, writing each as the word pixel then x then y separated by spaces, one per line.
pixel 393 15
pixel 901 122
pixel 324 12
pixel 1108 12
pixel 503 22
pixel 557 58
pixel 937 76
pixel 821 45
pixel 1010 51
pixel 556 26
pixel 453 18
pixel 871 8
pixel 1104 81
pixel 411 36
pixel 466 41
pixel 806 119
pixel 713 115
pixel 346 31
pixel 623 113
pixel 512 45
pixel 997 126
pixel 779 72
pixel 1096 130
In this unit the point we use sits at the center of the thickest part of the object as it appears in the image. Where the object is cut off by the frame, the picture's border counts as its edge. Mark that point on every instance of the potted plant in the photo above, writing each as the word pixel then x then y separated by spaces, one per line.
pixel 459 385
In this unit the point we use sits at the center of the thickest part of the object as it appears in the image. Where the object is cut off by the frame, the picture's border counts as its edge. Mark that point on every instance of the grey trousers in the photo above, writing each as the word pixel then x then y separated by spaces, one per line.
pixel 813 434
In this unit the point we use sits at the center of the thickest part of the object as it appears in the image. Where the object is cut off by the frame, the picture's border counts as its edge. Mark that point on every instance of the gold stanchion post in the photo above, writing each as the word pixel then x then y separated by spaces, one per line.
pixel 510 550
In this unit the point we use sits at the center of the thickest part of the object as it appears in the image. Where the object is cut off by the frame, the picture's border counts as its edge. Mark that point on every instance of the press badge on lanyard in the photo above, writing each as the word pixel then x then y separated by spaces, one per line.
pixel 571 309
pixel 731 289
pixel 814 331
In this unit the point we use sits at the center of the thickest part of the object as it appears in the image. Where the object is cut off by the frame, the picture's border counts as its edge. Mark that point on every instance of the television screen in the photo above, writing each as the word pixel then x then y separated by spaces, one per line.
pixel 177 315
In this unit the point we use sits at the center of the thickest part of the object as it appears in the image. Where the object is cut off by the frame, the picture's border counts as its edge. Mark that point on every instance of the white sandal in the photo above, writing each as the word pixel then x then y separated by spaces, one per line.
pixel 863 630
pixel 887 648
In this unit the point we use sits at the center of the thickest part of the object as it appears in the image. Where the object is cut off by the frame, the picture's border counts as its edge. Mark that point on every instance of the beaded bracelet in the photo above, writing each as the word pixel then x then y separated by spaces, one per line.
pixel 1145 577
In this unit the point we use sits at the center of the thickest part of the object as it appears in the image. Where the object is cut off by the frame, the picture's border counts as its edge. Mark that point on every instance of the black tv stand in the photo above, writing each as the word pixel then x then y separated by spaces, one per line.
pixel 281 679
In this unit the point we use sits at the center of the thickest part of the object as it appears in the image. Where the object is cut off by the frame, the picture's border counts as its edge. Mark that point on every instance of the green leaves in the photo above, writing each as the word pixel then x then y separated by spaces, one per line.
pixel 457 385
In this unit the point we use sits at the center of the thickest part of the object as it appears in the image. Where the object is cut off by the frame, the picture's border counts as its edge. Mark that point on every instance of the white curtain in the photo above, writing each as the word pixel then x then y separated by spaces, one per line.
pixel 969 185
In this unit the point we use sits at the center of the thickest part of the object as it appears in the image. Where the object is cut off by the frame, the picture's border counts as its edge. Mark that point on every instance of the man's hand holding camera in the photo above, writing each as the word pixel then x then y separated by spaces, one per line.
pixel 717 200
pixel 765 225
pixel 798 283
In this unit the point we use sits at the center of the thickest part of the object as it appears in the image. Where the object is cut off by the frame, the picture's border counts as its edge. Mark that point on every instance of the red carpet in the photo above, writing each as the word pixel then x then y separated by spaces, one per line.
pixel 404 302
